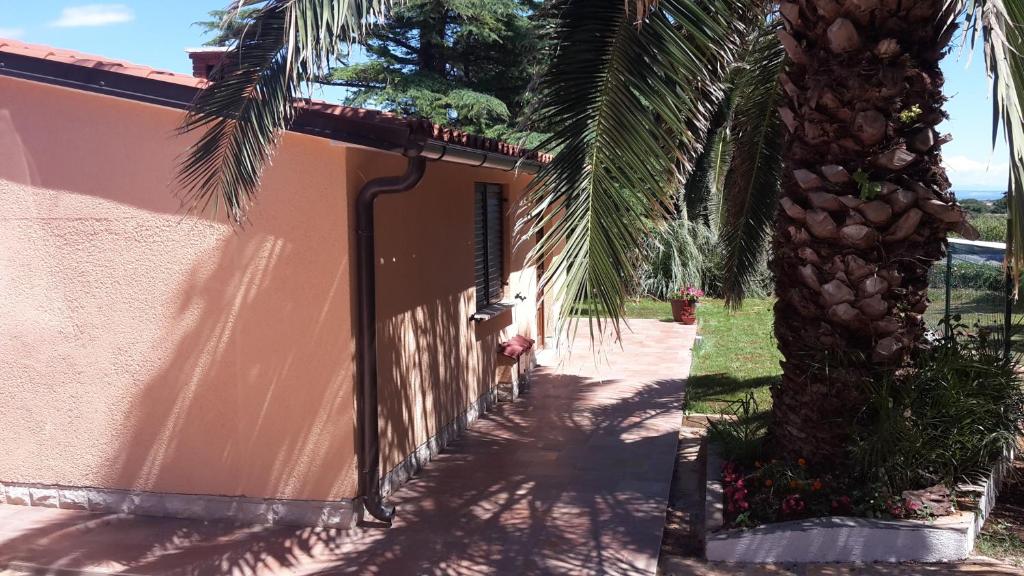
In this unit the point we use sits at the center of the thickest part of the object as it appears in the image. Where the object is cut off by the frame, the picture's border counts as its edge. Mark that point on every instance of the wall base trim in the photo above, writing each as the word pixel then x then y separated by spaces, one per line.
pixel 327 514
pixel 426 451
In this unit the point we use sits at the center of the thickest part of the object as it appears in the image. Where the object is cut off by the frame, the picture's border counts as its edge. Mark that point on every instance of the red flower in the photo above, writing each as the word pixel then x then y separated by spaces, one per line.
pixel 841 504
pixel 792 505
pixel 895 509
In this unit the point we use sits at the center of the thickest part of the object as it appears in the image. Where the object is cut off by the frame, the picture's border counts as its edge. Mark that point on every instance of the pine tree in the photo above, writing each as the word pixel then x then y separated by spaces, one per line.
pixel 225 25
pixel 467 64
pixel 461 63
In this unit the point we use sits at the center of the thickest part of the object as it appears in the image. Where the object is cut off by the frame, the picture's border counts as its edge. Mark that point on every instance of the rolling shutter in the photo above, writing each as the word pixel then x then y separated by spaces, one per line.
pixel 488 232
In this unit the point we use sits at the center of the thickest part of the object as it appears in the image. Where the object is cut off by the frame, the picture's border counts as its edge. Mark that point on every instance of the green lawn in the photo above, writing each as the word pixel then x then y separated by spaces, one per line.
pixel 736 352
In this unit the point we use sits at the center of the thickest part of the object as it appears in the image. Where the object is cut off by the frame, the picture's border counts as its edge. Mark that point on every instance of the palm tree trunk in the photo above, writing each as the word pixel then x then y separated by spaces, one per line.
pixel 865 208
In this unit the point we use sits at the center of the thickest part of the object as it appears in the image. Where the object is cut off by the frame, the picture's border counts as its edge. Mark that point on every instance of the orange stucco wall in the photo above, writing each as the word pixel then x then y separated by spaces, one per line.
pixel 143 349
pixel 433 360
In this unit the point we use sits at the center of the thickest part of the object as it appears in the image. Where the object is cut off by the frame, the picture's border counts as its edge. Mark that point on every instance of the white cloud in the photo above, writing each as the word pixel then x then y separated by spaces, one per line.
pixel 93 15
pixel 970 173
pixel 11 32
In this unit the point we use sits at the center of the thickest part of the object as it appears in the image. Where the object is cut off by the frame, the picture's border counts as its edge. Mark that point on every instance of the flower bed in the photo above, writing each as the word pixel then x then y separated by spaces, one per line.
pixel 950 418
pixel 775 492
pixel 897 532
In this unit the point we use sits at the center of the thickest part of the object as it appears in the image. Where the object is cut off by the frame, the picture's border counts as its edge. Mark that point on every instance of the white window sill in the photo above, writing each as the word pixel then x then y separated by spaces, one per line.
pixel 491 311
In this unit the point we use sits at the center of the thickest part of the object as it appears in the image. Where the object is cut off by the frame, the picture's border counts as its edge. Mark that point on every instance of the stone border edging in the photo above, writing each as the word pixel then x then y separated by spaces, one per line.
pixel 842 538
pixel 327 514
pixel 714 492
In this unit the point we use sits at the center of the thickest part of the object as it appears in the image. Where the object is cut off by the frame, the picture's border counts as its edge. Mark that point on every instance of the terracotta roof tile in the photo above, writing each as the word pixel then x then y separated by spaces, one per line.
pixel 441 133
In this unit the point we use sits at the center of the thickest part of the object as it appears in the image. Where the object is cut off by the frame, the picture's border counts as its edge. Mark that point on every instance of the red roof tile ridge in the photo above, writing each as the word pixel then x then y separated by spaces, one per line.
pixel 91 61
pixel 444 134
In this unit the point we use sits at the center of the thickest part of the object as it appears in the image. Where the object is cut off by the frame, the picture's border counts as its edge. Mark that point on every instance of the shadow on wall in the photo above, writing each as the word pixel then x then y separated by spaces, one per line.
pixel 526 492
pixel 434 363
pixel 210 357
pixel 256 397
pixel 189 354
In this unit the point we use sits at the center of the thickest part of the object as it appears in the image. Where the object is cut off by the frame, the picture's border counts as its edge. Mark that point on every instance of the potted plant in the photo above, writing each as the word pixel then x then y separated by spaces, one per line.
pixel 684 305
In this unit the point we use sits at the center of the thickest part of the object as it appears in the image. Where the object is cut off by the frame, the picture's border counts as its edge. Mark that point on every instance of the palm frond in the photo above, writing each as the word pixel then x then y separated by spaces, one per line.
pixel 255 92
pixel 623 105
pixel 752 183
pixel 1000 23
pixel 702 193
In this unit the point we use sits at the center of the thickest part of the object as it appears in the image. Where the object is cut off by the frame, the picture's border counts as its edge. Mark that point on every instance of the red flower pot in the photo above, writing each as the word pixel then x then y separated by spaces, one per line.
pixel 684 311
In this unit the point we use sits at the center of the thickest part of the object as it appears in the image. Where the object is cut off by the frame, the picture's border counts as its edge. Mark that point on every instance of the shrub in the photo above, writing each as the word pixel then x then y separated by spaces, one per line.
pixel 688 253
pixel 948 420
pixel 975 276
pixel 675 256
pixel 741 435
pixel 945 420
pixel 991 227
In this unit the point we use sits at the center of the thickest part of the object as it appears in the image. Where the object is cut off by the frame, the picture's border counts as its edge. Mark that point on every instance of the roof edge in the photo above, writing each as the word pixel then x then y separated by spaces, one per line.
pixel 357 126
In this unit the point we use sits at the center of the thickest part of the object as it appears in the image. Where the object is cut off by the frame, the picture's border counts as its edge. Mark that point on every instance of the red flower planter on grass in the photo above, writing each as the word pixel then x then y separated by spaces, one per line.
pixel 684 311
pixel 684 305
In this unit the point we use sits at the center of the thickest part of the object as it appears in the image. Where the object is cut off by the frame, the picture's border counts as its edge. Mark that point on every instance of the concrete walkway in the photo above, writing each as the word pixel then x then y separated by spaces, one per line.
pixel 572 479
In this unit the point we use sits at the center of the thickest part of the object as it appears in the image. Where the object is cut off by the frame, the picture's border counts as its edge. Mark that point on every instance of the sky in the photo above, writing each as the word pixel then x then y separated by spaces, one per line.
pixel 155 33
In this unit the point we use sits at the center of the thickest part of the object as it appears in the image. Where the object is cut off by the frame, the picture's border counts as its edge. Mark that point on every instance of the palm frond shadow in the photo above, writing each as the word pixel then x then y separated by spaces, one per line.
pixel 455 517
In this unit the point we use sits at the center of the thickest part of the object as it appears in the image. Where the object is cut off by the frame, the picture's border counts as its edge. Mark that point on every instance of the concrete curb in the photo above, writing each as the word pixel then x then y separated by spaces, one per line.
pixel 845 539
pixel 714 491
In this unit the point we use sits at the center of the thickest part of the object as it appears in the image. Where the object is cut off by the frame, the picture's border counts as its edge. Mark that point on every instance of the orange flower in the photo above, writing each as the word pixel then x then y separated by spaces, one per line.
pixel 794 484
pixel 817 485
pixel 768 482
pixel 801 462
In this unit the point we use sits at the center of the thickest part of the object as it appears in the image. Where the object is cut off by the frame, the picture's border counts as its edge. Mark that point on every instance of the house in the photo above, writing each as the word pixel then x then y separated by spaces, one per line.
pixel 165 364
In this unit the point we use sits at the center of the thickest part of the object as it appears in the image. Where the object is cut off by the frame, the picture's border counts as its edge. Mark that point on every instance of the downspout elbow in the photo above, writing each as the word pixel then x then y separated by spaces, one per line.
pixel 366 342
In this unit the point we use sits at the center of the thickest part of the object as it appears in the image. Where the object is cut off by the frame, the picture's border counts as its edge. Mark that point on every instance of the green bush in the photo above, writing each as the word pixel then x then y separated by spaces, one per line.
pixel 948 420
pixel 675 256
pixel 688 253
pixel 741 436
pixel 991 227
pixel 974 276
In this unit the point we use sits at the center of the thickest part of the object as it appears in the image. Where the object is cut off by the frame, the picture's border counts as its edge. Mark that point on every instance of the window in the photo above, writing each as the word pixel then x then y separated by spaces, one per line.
pixel 490 245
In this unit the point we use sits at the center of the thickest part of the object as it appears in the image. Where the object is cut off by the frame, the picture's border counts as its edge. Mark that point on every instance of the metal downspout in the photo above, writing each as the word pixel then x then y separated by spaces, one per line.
pixel 418 153
pixel 366 342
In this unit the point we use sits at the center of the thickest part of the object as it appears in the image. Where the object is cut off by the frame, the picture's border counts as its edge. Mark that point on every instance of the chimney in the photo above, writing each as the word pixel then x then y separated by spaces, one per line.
pixel 205 59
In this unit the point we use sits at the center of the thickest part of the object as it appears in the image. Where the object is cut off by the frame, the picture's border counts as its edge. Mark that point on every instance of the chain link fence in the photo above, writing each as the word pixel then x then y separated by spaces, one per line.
pixel 972 283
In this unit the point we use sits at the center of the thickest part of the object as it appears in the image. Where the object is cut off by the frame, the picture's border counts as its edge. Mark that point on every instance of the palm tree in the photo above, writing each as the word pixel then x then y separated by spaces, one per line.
pixel 866 205
pixel 630 99
pixel 723 214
